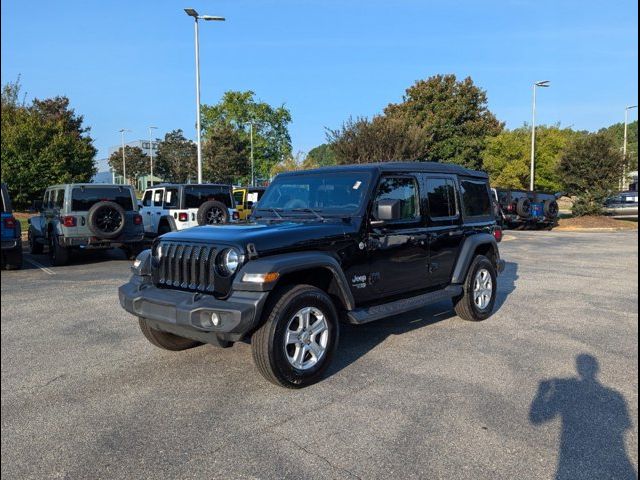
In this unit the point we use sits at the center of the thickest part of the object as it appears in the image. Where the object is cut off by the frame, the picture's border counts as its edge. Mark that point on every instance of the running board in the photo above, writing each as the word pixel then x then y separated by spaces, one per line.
pixel 378 312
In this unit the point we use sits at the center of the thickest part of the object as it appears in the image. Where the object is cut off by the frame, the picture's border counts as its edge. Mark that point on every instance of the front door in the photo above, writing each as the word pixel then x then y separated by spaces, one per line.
pixel 399 249
pixel 444 227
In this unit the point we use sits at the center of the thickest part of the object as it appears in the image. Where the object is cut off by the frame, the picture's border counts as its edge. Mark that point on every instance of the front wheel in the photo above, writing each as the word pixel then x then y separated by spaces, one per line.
pixel 295 345
pixel 35 248
pixel 58 254
pixel 479 291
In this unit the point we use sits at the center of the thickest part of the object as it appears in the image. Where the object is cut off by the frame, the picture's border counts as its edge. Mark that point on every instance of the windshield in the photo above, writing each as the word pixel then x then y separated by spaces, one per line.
pixel 330 193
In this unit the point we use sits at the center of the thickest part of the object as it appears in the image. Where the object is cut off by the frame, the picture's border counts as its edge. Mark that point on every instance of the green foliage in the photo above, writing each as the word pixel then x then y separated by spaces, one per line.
pixel 440 119
pixel 137 162
pixel 177 158
pixel 43 143
pixel 507 157
pixel 321 156
pixel 590 168
pixel 616 133
pixel 226 156
pixel 271 138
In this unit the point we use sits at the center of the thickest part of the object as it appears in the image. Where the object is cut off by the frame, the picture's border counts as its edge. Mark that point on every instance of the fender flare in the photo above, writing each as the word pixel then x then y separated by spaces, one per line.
pixel 170 220
pixel 294 262
pixel 467 253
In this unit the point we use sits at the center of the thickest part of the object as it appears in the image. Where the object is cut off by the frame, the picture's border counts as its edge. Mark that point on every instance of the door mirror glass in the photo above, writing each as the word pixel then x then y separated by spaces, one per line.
pixel 389 209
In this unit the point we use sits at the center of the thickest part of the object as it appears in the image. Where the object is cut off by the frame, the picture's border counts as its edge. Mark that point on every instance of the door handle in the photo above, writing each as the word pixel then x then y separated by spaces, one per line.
pixel 158 213
pixel 148 213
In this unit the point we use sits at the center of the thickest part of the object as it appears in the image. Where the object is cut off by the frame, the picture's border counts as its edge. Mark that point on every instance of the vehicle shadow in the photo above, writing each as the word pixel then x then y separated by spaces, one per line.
pixel 594 420
pixel 506 284
pixel 357 340
pixel 87 257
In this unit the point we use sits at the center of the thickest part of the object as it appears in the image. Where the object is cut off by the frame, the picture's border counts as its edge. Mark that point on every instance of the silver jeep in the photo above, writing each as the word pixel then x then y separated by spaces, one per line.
pixel 86 216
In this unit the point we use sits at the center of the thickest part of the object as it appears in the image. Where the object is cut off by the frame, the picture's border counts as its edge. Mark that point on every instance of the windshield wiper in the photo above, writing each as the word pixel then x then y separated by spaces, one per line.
pixel 272 210
pixel 309 210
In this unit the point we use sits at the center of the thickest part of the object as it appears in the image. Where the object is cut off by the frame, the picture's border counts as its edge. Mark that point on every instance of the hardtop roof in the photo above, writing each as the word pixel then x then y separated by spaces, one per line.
pixel 398 167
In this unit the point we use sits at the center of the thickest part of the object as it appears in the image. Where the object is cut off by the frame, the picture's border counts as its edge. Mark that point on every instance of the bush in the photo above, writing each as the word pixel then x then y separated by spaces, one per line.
pixel 588 204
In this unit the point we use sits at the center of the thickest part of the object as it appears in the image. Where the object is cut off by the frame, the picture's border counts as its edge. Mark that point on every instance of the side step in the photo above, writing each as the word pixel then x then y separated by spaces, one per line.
pixel 377 312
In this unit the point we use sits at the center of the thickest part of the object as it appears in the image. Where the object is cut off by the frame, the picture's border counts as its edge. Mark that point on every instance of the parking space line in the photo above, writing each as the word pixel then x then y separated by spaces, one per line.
pixel 40 266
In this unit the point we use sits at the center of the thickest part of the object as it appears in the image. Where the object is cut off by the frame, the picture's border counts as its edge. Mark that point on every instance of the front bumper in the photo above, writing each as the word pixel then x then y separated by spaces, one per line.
pixel 188 314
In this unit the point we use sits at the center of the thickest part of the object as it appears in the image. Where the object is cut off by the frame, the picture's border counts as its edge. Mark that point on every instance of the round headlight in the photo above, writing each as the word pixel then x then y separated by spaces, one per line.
pixel 230 261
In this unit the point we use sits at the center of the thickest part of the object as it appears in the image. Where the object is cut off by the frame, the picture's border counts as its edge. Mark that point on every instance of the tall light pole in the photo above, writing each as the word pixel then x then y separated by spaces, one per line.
pixel 151 129
pixel 124 161
pixel 544 84
pixel 253 178
pixel 192 13
pixel 624 144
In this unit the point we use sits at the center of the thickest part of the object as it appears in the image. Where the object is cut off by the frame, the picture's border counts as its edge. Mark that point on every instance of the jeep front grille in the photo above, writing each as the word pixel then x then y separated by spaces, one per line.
pixel 184 266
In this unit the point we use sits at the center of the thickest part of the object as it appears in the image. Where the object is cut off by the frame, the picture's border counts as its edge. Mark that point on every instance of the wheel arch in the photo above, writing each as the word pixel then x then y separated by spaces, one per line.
pixel 167 220
pixel 479 244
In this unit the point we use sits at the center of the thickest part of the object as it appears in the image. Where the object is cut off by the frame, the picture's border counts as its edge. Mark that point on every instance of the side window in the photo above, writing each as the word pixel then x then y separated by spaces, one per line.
pixel 146 200
pixel 404 189
pixel 157 197
pixel 238 195
pixel 475 198
pixel 441 195
pixel 59 200
pixel 45 201
pixel 171 198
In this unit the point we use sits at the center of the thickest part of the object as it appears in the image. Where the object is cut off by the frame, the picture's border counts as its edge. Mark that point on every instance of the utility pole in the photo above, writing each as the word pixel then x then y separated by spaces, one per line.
pixel 624 146
pixel 151 129
pixel 532 182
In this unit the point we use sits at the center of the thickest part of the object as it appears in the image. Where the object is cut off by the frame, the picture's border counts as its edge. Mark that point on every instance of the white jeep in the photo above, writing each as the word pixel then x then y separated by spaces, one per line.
pixel 171 207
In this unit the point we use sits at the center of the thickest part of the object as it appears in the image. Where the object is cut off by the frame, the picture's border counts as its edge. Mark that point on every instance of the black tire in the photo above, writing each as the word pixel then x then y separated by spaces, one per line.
pixel 551 209
pixel 35 247
pixel 268 342
pixel 465 305
pixel 213 213
pixel 13 259
pixel 164 228
pixel 58 254
pixel 523 208
pixel 164 340
pixel 106 220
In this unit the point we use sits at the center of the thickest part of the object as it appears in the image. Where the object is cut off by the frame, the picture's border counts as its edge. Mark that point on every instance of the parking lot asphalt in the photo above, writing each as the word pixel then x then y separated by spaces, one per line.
pixel 547 387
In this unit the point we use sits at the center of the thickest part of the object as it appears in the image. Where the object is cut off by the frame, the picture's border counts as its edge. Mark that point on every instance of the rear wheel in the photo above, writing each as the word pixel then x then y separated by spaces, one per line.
pixel 295 345
pixel 58 254
pixel 479 291
pixel 164 340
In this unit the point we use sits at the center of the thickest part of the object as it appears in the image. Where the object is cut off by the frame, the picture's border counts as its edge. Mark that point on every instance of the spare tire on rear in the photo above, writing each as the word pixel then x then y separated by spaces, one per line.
pixel 551 208
pixel 106 219
pixel 523 208
pixel 212 213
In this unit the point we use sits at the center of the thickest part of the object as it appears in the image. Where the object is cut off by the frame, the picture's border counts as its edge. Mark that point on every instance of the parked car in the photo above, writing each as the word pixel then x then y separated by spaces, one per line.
pixel 246 198
pixel 11 234
pixel 171 207
pixel 352 243
pixel 85 216
pixel 521 209
pixel 625 204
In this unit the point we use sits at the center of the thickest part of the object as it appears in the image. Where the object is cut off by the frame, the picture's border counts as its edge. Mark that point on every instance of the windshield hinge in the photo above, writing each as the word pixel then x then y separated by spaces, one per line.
pixel 252 253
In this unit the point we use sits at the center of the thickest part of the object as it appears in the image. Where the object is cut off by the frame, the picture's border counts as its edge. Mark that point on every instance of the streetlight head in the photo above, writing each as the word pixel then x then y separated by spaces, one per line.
pixel 543 83
pixel 209 18
pixel 630 107
pixel 191 12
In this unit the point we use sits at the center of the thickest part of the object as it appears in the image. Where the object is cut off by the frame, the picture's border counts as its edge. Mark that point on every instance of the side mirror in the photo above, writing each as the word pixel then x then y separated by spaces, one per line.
pixel 387 210
pixel 140 205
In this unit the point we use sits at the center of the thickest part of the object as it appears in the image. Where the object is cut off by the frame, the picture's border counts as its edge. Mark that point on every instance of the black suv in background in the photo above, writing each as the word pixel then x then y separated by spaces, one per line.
pixel 521 209
pixel 353 243
pixel 86 216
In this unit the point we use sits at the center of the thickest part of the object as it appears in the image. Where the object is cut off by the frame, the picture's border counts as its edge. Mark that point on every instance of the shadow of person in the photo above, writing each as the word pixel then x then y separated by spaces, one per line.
pixel 594 421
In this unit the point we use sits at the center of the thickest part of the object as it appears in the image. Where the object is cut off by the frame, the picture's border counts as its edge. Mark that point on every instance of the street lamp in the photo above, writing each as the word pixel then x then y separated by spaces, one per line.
pixel 151 129
pixel 544 84
pixel 124 161
pixel 624 145
pixel 192 13
pixel 253 180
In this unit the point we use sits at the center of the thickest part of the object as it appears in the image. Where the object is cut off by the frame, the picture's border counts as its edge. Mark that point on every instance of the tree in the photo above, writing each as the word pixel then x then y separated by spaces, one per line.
pixel 380 139
pixel 321 156
pixel 177 158
pixel 590 168
pixel 271 138
pixel 42 143
pixel 616 133
pixel 507 157
pixel 226 156
pixel 137 162
pixel 292 163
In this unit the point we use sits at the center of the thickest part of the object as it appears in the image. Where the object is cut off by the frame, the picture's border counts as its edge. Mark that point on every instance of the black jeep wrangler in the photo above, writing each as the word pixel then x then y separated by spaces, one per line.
pixel 353 243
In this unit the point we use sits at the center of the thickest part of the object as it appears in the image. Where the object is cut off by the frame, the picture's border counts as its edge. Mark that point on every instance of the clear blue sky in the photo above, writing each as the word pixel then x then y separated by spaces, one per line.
pixel 131 63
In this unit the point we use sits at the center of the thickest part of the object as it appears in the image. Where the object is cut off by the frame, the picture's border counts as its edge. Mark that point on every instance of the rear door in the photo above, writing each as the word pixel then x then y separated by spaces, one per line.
pixel 398 250
pixel 157 204
pixel 445 233
pixel 146 211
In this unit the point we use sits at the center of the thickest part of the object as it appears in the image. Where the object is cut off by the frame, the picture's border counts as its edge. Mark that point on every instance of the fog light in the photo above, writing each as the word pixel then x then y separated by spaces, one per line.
pixel 215 319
